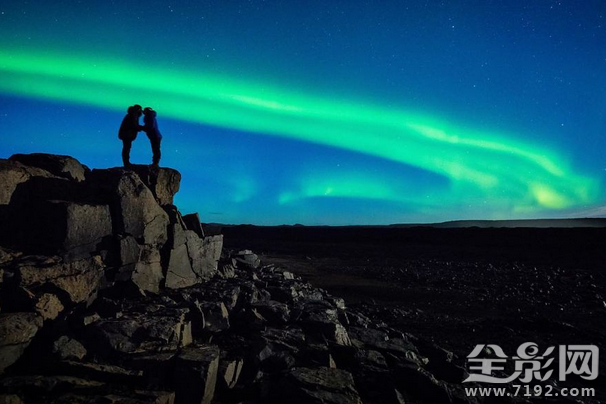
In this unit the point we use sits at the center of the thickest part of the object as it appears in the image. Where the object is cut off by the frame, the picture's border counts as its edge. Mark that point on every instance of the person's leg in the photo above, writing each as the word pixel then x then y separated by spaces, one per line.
pixel 156 150
pixel 126 144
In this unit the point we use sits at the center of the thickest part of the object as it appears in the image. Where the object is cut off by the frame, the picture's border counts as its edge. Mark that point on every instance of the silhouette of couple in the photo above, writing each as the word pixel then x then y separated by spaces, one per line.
pixel 130 128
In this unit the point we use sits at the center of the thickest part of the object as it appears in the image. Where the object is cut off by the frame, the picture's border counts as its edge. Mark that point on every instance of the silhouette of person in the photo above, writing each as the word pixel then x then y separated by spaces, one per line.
pixel 150 126
pixel 128 131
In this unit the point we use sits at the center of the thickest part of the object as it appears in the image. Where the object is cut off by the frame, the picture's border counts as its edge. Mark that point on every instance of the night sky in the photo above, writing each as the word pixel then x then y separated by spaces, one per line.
pixel 324 112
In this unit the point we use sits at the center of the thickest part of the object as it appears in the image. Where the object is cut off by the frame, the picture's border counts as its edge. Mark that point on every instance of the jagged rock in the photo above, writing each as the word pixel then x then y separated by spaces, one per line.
pixel 163 330
pixel 320 385
pixel 196 375
pixel 285 293
pixel 16 332
pixel 249 320
pixel 276 348
pixel 193 261
pixel 420 383
pixel 157 368
pixel 114 335
pixel 338 302
pixel 78 279
pixel 275 361
pixel 130 251
pixel 274 312
pixel 354 319
pixel 61 166
pixel 66 348
pixel 204 254
pixel 366 336
pixel 227 271
pixel 48 306
pixel 337 333
pixel 401 350
pixel 318 355
pixel 248 259
pixel 192 222
pixel 7 256
pixel 321 318
pixel 133 206
pixel 91 318
pixel 163 182
pixel 12 174
pixel 146 274
pixel 180 273
pixel 229 371
pixel 99 372
pixel 370 359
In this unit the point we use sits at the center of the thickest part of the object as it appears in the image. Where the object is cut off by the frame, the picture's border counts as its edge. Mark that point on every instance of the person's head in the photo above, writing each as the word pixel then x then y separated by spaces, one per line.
pixel 134 110
pixel 148 111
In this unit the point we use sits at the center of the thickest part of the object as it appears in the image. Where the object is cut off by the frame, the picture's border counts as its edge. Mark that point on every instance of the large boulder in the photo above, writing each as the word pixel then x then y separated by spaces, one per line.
pixel 196 375
pixel 61 166
pixel 75 281
pixel 192 222
pixel 13 173
pixel 133 206
pixel 16 332
pixel 146 271
pixel 164 329
pixel 191 259
pixel 163 182
pixel 48 305
pixel 61 226
pixel 180 273
pixel 204 253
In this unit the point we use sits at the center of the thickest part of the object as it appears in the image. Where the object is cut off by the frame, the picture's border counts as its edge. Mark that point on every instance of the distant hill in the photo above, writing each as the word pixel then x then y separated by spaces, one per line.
pixel 534 223
pixel 455 224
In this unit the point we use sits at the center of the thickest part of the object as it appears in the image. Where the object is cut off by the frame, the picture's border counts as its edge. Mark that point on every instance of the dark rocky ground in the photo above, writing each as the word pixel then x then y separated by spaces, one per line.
pixel 456 287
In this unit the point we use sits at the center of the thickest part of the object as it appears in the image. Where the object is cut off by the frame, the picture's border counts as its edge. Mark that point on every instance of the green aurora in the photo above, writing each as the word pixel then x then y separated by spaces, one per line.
pixel 509 171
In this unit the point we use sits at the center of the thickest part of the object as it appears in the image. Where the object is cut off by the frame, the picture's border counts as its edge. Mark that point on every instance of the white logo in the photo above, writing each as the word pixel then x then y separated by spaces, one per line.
pixel 581 360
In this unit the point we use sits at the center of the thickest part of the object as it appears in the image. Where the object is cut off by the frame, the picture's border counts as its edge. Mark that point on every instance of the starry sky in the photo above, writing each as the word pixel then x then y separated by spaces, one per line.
pixel 324 112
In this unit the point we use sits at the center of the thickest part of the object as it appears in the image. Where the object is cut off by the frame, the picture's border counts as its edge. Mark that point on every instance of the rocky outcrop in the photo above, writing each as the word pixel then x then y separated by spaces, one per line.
pixel 61 166
pixel 164 183
pixel 109 294
pixel 12 174
pixel 69 234
pixel 134 209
